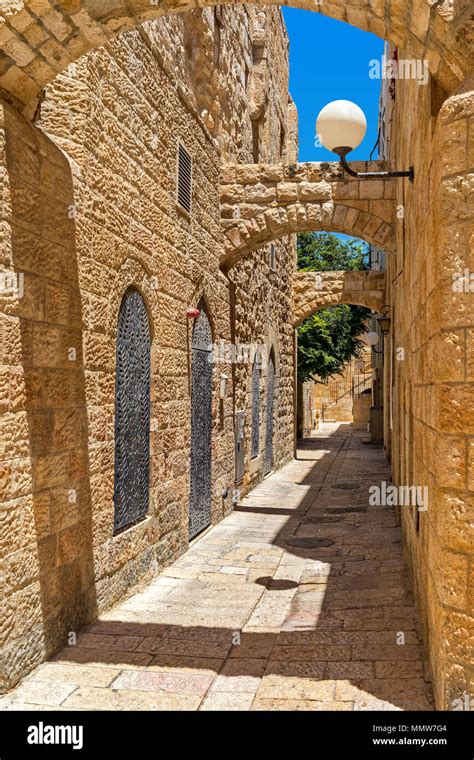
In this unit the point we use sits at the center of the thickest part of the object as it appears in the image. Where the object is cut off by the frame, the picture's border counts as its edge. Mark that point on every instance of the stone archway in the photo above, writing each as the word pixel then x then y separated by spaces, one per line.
pixel 318 290
pixel 40 38
pixel 262 202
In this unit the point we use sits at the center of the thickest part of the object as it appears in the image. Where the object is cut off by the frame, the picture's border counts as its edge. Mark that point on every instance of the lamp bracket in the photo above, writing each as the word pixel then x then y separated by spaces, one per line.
pixel 344 150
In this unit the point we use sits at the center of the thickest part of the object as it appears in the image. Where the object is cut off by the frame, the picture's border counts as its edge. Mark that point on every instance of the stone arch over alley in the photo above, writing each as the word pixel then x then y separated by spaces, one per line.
pixel 319 290
pixel 260 203
pixel 31 61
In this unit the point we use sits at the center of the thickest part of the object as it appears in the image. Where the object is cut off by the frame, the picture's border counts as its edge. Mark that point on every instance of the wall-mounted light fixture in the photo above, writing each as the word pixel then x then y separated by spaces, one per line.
pixel 384 320
pixel 341 127
pixel 371 338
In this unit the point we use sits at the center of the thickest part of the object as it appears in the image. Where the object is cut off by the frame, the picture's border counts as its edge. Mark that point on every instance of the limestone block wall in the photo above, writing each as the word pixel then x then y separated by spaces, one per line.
pixel 89 209
pixel 46 486
pixel 226 74
pixel 361 411
pixel 261 282
pixel 130 231
pixel 263 318
pixel 222 62
pixel 336 399
pixel 431 380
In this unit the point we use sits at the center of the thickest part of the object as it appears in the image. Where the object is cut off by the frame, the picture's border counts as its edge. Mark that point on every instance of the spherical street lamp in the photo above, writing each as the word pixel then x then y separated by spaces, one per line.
pixel 371 338
pixel 341 127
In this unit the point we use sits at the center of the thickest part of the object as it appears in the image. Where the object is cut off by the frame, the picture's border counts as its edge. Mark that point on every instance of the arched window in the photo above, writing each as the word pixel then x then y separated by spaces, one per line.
pixel 201 424
pixel 132 411
pixel 255 407
pixel 268 460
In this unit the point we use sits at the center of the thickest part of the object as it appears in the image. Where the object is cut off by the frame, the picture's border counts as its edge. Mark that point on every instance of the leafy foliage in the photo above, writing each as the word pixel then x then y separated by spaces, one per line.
pixel 324 252
pixel 328 339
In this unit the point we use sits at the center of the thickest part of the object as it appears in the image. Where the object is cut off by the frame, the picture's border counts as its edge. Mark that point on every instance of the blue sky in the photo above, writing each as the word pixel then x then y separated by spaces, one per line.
pixel 329 60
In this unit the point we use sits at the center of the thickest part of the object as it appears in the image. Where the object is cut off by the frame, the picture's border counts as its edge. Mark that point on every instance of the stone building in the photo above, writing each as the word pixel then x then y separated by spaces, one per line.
pixel 119 233
pixel 107 154
pixel 428 362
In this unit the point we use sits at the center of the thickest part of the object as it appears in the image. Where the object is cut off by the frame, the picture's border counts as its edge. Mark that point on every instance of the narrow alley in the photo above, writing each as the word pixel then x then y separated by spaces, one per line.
pixel 297 600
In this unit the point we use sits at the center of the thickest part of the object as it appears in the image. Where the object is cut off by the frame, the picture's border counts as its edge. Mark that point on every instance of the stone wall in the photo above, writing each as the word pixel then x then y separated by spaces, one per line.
pixel 46 488
pixel 361 411
pixel 263 317
pixel 429 368
pixel 337 399
pixel 261 283
pixel 89 200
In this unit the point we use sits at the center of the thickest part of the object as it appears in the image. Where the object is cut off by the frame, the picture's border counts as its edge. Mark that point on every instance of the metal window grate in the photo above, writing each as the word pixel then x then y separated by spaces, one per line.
pixel 185 175
pixel 200 497
pixel 255 408
pixel 268 456
pixel 132 412
pixel 272 257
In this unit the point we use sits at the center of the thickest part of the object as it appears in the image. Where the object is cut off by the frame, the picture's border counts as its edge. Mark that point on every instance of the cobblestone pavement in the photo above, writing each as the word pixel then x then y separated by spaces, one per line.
pixel 296 601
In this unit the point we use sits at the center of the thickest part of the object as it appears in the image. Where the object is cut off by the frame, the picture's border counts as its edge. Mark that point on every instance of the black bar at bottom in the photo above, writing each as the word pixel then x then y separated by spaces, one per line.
pixel 320 734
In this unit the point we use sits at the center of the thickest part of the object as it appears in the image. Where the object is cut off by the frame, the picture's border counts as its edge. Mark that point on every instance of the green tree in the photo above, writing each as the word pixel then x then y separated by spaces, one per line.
pixel 328 339
pixel 324 252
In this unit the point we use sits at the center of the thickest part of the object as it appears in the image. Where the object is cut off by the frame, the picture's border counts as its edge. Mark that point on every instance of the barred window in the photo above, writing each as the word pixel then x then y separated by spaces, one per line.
pixel 132 412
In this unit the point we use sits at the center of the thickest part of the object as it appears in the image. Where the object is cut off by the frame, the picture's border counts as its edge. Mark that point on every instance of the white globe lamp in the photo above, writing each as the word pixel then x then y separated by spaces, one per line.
pixel 341 125
pixel 371 338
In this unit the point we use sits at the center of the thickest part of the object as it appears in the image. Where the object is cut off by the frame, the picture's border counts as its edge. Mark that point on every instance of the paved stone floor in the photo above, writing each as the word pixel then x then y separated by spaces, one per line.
pixel 295 601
